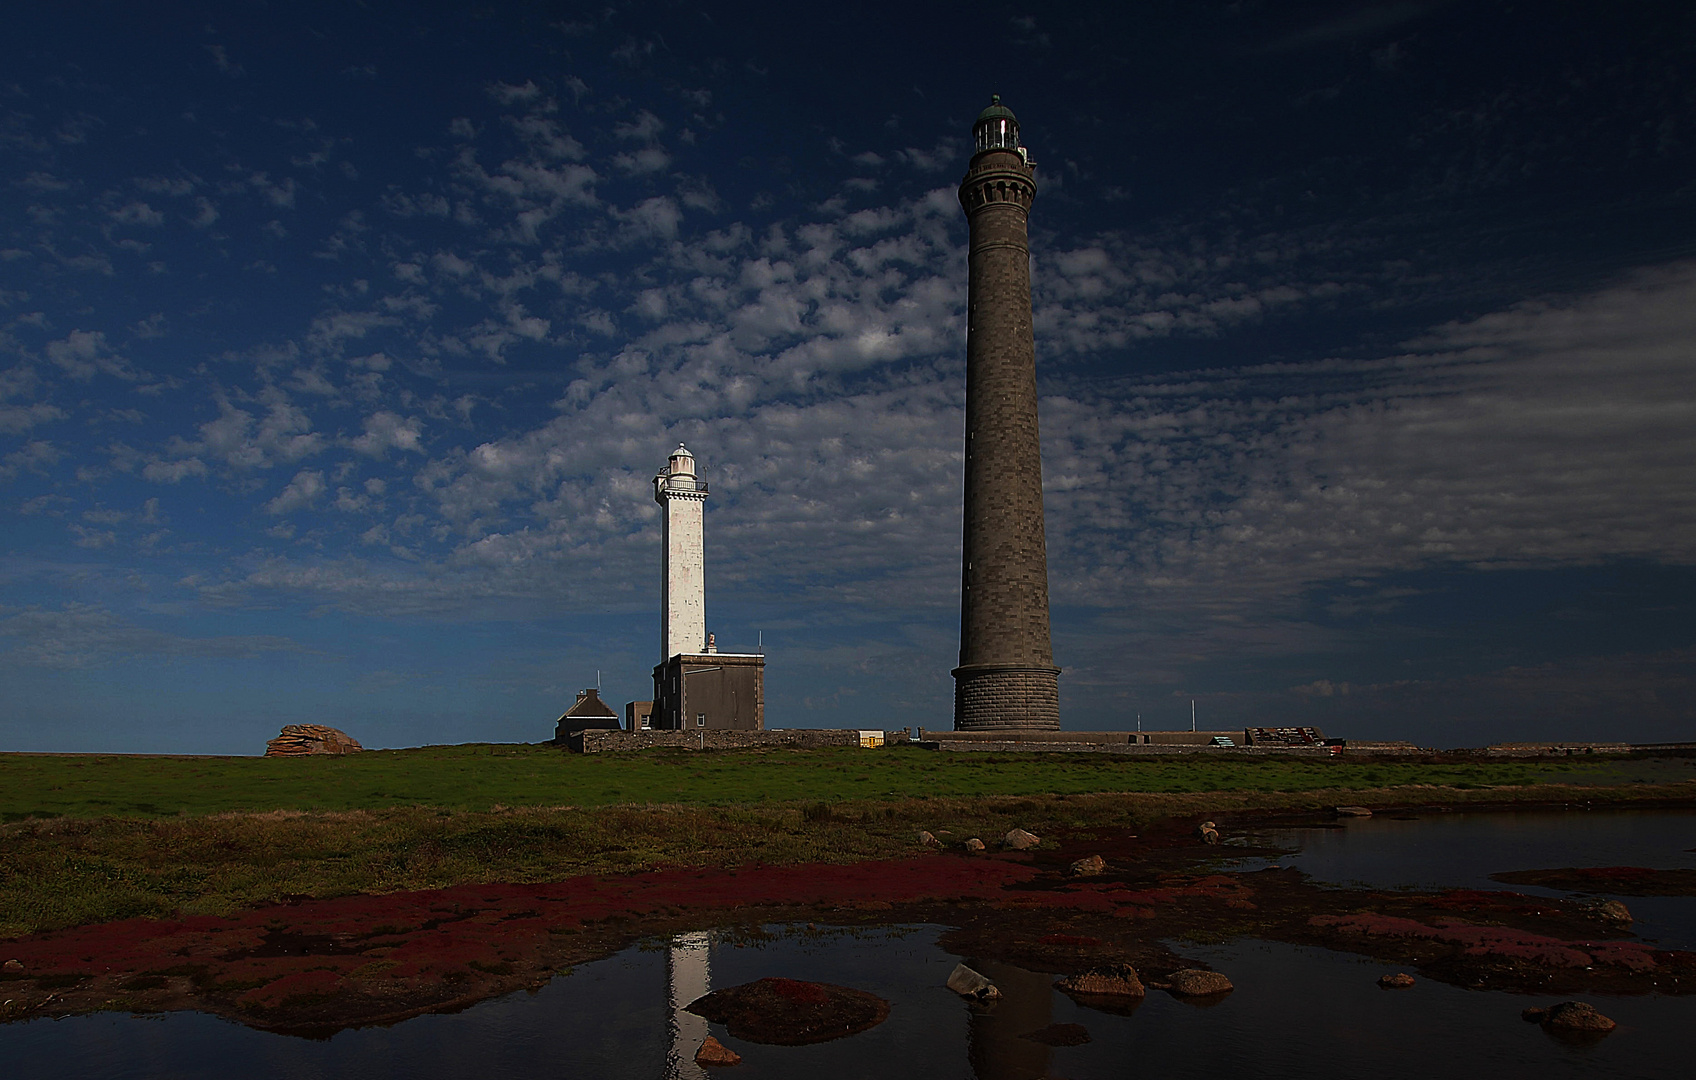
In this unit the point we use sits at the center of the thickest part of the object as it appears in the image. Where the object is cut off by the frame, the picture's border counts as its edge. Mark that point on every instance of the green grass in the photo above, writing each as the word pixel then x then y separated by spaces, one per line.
pixel 100 837
pixel 479 776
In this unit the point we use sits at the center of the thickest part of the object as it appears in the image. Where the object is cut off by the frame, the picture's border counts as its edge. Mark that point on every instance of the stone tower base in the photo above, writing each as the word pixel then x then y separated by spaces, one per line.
pixel 997 697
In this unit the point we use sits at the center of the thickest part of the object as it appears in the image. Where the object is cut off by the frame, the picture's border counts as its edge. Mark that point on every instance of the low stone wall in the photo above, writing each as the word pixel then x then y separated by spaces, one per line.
pixel 1031 735
pixel 618 742
pixel 1553 749
pixel 1136 749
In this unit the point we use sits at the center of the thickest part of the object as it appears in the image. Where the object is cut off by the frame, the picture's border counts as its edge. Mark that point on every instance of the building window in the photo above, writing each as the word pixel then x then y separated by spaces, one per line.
pixel 700 719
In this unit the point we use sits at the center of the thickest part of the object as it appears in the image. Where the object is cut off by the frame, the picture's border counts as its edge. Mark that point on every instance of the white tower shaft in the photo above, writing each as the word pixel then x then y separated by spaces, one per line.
pixel 683 589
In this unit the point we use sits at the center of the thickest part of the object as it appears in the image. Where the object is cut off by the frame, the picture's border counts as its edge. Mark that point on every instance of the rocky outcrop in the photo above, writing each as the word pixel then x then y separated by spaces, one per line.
pixel 1109 980
pixel 1607 910
pixel 1353 811
pixel 1088 866
pixel 968 983
pixel 791 1012
pixel 1572 1017
pixel 302 740
pixel 1194 982
pixel 713 1052
pixel 1020 840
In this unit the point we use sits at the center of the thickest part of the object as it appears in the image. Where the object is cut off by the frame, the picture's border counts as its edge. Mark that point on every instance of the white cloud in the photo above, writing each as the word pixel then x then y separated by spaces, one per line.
pixel 387 430
pixel 138 213
pixel 300 493
pixel 83 354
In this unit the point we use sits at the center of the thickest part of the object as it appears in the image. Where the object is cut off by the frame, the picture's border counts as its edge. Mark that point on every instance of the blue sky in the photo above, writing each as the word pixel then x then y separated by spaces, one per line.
pixel 338 345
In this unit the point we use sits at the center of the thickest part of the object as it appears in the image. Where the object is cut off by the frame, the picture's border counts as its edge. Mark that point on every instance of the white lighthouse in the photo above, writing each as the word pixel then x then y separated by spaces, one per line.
pixel 683 589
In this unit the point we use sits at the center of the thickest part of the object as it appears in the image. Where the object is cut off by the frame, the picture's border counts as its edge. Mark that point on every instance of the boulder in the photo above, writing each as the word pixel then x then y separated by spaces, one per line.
pixel 968 983
pixel 1088 866
pixel 1207 832
pixel 1194 982
pixel 1020 840
pixel 1572 1017
pixel 713 1052
pixel 1401 980
pixel 791 1012
pixel 1607 910
pixel 974 845
pixel 1108 980
pixel 12 967
pixel 301 740
pixel 1352 811
pixel 927 839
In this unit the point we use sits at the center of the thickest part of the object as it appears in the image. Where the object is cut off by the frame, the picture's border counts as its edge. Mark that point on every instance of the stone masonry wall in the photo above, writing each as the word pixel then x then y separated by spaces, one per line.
pixel 613 742
pixel 997 700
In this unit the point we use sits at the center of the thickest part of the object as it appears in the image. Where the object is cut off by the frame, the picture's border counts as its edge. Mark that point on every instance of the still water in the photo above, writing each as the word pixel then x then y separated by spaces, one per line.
pixel 1297 1012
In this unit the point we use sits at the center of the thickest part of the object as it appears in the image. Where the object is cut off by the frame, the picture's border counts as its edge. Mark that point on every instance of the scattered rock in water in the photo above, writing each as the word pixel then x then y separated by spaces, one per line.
pixel 1194 982
pixel 1607 910
pixel 1401 980
pixel 974 845
pixel 713 1052
pixel 1088 866
pixel 1570 1017
pixel 11 967
pixel 302 740
pixel 1352 811
pixel 1059 1035
pixel 927 839
pixel 1020 840
pixel 1207 832
pixel 1108 980
pixel 968 983
pixel 790 1012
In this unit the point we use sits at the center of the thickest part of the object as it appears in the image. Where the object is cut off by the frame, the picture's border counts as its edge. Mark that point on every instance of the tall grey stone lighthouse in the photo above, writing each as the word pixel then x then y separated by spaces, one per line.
pixel 1006 677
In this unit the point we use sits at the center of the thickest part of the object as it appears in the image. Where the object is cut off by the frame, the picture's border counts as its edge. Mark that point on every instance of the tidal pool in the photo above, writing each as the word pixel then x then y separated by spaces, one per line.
pixel 1297 1011
pixel 1462 850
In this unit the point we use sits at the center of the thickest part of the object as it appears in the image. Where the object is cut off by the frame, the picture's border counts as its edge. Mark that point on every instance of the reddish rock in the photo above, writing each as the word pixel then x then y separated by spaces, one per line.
pixel 11 966
pixel 300 740
pixel 1578 1017
pixel 713 1052
pixel 1109 980
pixel 1193 982
pixel 1401 980
pixel 790 1012
pixel 1089 866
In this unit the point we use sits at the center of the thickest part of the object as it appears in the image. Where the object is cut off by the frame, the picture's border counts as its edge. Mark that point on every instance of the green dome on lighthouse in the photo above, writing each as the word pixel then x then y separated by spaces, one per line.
pixel 996 128
pixel 996 111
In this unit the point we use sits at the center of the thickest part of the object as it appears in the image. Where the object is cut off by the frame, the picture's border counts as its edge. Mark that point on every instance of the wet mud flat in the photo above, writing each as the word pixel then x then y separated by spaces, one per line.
pixel 318 966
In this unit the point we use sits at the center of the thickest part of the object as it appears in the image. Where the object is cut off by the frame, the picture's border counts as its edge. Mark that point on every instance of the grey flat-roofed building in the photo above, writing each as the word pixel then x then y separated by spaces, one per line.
pixel 710 690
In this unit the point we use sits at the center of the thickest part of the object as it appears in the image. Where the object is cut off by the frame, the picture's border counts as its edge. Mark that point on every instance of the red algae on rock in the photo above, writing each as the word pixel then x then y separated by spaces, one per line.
pixel 791 1012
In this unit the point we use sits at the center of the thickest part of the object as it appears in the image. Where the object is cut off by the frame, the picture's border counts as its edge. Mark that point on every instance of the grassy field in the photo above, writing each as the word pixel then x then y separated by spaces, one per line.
pixel 95 838
pixel 480 776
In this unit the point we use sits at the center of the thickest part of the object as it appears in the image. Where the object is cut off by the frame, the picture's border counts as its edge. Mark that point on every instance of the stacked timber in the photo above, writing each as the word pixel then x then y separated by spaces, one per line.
pixel 299 740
